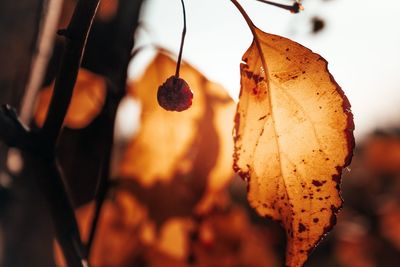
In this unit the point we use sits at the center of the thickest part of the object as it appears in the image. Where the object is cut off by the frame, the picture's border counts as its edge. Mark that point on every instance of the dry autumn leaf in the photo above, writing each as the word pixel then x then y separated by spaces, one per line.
pixel 87 101
pixel 187 152
pixel 293 135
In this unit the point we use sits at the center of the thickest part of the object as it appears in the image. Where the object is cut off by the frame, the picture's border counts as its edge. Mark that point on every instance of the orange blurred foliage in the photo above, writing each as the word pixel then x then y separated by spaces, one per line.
pixel 382 154
pixel 87 100
pixel 196 143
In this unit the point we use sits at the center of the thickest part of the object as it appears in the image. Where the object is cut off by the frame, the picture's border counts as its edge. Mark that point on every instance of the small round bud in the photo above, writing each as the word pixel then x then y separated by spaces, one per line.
pixel 174 94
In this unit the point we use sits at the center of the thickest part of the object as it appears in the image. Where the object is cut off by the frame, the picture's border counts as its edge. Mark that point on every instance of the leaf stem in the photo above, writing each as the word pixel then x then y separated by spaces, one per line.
pixel 178 64
pixel 253 31
pixel 295 8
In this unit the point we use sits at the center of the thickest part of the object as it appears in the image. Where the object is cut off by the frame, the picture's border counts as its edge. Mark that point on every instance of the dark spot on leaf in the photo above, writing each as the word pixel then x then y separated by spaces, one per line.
pixel 317 183
pixel 315 220
pixel 302 228
pixel 249 74
pixel 256 77
pixel 263 117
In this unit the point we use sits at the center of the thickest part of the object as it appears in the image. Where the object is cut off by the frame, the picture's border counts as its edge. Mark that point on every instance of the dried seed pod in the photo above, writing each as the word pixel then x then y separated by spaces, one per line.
pixel 175 94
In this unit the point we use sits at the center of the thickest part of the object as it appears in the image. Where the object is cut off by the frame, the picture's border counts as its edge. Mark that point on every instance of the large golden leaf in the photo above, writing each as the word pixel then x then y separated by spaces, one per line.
pixel 293 136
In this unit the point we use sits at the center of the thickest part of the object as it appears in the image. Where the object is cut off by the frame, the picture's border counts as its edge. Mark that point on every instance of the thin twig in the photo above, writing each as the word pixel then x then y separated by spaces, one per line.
pixel 178 64
pixel 128 21
pixel 104 172
pixel 295 8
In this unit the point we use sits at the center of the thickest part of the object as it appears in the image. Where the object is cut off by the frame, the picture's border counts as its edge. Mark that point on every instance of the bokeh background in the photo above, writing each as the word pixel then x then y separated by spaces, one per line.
pixel 180 218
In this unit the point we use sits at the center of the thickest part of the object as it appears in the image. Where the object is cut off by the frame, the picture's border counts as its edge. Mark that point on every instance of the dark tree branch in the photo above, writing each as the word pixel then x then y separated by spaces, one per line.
pixel 50 181
pixel 76 35
pixel 41 145
pixel 12 131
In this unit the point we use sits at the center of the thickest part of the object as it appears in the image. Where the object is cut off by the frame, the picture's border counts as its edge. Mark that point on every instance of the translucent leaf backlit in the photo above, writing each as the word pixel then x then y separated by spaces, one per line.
pixel 293 136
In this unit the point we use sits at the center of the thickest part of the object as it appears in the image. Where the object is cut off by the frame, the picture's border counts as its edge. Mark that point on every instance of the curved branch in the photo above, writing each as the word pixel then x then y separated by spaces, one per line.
pixel 76 35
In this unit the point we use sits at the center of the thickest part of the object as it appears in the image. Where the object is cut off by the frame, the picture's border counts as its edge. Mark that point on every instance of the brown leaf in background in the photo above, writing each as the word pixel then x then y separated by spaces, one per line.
pixel 228 238
pixel 382 154
pixel 293 136
pixel 86 103
pixel 390 222
pixel 117 237
pixel 187 153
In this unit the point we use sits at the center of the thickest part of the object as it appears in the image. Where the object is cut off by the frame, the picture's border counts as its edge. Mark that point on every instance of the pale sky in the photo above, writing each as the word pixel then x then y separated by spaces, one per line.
pixel 361 42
